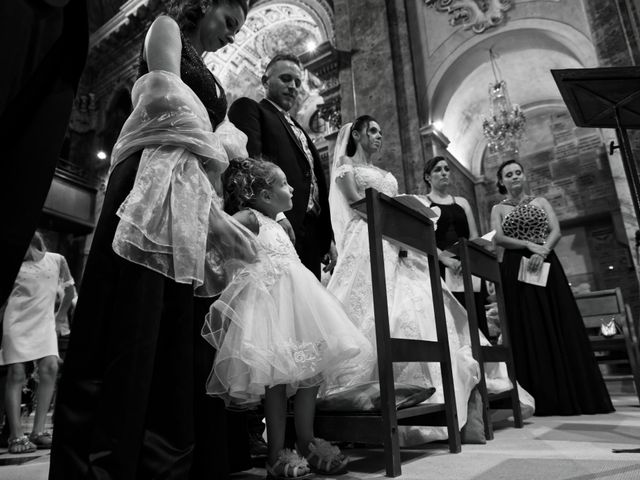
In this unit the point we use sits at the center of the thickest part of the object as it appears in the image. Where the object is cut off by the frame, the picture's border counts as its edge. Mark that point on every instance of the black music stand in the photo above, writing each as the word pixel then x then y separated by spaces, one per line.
pixel 606 98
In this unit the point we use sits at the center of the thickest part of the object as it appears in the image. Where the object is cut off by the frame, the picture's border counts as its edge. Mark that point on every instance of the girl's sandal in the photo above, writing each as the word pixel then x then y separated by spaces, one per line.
pixel 20 445
pixel 289 465
pixel 325 458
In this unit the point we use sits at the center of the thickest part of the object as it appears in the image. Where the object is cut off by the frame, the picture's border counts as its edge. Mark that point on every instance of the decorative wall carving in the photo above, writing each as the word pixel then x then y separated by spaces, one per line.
pixel 325 62
pixel 477 15
pixel 84 114
pixel 330 112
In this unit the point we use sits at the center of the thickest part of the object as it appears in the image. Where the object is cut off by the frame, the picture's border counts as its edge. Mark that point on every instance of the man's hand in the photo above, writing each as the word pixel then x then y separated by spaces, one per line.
pixel 284 223
pixel 330 259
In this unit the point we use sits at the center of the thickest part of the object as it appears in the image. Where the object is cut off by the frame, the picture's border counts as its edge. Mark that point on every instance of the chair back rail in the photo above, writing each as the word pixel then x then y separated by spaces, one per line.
pixel 479 262
pixel 394 221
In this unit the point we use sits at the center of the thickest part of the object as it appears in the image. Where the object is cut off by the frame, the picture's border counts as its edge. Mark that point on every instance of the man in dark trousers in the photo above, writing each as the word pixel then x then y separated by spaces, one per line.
pixel 45 48
pixel 274 135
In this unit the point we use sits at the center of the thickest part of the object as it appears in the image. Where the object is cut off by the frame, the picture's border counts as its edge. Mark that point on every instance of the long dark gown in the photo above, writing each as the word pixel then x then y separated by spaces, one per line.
pixel 553 358
pixel 131 402
pixel 452 226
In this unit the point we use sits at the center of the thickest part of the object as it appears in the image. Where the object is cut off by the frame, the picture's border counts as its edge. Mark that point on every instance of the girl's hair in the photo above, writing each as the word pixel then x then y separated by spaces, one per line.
pixel 36 243
pixel 244 179
pixel 360 124
pixel 501 188
pixel 430 165
pixel 188 13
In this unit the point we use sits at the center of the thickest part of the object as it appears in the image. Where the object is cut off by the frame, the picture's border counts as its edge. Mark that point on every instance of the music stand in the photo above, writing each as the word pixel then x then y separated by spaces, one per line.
pixel 606 98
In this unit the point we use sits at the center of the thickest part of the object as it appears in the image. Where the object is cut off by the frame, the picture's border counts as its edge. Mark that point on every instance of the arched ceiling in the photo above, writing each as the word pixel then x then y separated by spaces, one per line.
pixel 271 27
pixel 460 96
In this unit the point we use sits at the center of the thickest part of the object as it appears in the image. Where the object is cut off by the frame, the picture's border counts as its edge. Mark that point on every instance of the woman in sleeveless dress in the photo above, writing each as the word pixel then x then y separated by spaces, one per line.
pixel 551 350
pixel 129 404
pixel 456 221
pixel 411 313
pixel 29 335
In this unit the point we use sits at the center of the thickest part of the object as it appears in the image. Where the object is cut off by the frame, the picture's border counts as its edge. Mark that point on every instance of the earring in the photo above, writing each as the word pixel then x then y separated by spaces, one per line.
pixel 203 6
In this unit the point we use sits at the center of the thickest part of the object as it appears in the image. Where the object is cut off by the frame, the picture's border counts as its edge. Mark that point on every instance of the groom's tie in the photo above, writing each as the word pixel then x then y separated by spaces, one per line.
pixel 313 205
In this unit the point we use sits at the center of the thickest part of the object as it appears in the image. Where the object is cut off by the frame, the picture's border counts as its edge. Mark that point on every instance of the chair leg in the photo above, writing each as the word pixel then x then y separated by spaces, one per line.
pixel 515 397
pixel 634 358
pixel 486 417
pixel 392 460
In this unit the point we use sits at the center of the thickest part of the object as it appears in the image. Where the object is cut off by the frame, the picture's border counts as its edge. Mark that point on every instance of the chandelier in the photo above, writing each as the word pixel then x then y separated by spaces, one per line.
pixel 505 124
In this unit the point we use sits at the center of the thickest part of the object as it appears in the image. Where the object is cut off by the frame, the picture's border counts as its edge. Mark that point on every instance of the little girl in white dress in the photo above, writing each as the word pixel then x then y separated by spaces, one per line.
pixel 277 330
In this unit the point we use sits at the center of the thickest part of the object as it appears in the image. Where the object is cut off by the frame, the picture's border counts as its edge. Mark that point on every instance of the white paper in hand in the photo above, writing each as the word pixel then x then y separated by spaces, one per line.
pixel 538 278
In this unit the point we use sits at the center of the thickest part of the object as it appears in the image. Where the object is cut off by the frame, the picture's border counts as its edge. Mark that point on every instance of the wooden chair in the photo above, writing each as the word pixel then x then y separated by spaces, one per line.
pixel 394 221
pixel 622 348
pixel 482 263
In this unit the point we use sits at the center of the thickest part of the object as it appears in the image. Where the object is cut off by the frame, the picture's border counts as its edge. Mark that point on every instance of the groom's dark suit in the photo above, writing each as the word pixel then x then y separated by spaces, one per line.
pixel 271 137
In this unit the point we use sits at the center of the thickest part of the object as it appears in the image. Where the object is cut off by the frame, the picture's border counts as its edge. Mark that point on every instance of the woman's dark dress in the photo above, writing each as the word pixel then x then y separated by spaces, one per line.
pixel 131 402
pixel 553 358
pixel 452 226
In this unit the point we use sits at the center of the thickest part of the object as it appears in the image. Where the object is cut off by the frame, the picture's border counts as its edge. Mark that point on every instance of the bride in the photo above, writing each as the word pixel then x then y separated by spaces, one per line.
pixel 411 313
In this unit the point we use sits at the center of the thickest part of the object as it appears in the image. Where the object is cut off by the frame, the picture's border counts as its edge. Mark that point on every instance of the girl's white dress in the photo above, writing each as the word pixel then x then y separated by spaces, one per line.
pixel 276 324
pixel 29 328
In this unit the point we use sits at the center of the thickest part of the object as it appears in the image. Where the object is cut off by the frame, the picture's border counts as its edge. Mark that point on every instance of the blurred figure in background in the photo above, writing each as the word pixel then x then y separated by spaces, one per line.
pixel 29 334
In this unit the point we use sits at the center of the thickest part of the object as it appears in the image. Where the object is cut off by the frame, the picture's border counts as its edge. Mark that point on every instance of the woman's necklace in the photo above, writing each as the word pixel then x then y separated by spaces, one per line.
pixel 515 202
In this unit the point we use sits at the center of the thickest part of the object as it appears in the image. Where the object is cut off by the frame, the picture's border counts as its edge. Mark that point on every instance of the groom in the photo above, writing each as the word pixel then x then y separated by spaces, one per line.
pixel 274 135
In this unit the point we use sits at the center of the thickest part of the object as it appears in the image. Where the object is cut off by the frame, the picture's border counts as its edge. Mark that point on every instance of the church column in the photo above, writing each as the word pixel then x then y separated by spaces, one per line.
pixel 380 81
pixel 325 63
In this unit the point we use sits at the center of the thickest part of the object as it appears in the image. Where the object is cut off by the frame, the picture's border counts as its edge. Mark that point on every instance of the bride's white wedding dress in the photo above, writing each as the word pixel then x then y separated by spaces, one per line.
pixel 411 313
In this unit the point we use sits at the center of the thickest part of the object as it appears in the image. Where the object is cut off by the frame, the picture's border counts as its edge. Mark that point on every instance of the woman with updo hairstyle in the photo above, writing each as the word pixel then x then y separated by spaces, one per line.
pixel 132 402
pixel 456 221
pixel 552 354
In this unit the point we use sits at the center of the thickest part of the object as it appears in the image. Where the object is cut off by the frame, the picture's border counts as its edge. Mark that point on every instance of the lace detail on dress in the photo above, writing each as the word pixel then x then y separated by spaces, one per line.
pixel 526 221
pixel 343 169
pixel 276 244
pixel 370 176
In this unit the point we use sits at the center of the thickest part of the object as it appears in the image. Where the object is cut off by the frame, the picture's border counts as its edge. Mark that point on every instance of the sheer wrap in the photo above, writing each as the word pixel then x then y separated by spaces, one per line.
pixel 172 220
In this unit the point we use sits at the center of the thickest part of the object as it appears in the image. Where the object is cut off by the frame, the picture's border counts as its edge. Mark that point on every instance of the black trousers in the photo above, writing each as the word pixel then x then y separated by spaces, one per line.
pixel 307 244
pixel 45 50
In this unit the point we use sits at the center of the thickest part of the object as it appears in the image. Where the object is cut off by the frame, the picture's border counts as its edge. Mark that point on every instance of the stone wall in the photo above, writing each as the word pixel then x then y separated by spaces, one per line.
pixel 379 81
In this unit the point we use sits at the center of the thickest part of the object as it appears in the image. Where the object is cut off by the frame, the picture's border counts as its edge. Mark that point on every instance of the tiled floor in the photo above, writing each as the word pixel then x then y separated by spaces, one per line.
pixel 549 448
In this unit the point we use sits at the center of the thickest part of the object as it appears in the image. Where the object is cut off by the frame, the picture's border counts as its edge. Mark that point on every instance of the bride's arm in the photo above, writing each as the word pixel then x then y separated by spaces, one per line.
pixel 347 185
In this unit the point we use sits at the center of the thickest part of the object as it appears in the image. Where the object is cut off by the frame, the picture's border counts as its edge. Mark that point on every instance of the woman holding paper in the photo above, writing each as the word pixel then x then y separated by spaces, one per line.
pixel 551 350
pixel 456 221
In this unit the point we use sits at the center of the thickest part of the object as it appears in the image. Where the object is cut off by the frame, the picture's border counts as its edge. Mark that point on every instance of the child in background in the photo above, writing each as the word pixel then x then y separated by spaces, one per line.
pixel 277 330
pixel 29 334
